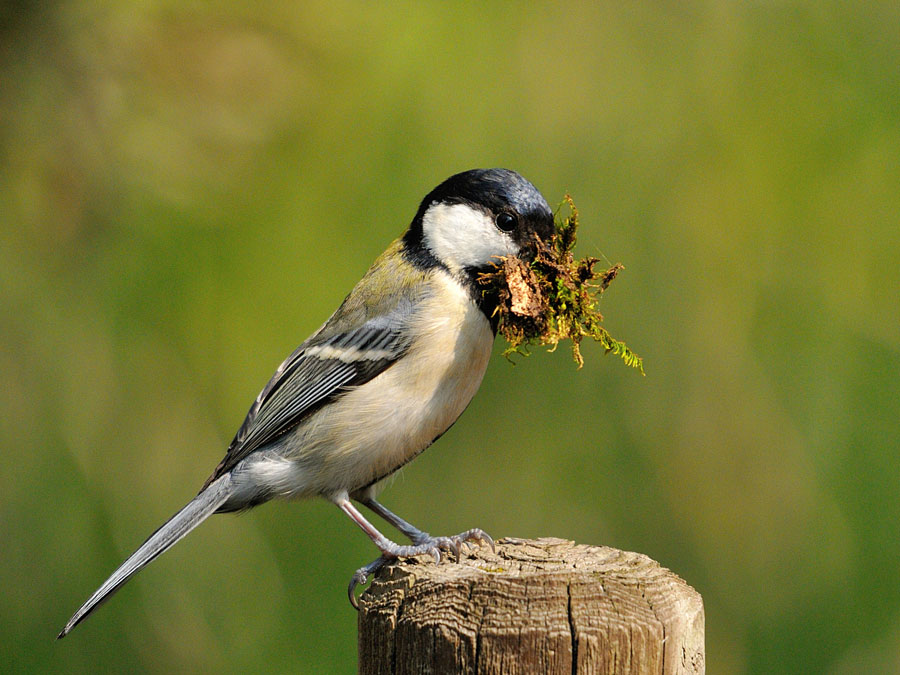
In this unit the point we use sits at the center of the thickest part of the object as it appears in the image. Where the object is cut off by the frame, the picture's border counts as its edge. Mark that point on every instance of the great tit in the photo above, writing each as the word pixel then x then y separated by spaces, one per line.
pixel 387 374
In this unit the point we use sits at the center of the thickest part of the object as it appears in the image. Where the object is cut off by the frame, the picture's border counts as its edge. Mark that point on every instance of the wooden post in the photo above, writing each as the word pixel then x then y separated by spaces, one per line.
pixel 536 606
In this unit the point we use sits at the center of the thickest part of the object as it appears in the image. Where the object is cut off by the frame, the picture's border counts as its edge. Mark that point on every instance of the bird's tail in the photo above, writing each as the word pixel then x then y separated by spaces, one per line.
pixel 198 509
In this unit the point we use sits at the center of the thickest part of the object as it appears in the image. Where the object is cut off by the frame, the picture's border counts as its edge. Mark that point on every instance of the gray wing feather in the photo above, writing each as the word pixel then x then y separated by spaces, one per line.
pixel 311 376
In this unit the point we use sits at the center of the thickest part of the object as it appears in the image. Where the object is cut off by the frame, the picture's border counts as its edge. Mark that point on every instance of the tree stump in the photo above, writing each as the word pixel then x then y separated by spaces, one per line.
pixel 534 606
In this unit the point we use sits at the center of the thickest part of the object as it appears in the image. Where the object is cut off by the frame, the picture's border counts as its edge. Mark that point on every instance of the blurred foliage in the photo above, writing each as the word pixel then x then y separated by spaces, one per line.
pixel 187 190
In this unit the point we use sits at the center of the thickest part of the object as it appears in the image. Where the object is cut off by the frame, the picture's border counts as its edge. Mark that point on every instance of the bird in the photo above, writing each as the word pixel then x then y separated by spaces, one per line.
pixel 386 375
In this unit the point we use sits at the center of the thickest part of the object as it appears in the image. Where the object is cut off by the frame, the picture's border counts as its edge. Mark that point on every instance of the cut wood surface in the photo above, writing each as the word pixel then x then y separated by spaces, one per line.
pixel 534 606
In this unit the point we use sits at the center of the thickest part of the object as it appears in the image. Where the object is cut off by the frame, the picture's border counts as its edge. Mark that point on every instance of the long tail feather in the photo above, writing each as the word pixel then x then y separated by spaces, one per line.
pixel 198 509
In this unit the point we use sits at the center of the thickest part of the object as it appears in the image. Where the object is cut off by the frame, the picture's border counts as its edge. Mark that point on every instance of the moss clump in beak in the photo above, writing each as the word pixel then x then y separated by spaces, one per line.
pixel 554 297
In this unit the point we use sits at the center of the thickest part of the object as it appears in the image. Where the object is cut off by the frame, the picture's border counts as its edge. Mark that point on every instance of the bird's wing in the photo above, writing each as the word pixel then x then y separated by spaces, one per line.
pixel 318 370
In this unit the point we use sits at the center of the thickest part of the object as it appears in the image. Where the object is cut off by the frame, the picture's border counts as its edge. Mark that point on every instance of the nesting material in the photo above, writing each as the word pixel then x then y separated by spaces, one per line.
pixel 554 297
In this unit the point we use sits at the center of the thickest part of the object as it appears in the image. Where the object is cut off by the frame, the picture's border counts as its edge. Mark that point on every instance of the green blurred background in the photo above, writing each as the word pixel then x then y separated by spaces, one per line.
pixel 188 190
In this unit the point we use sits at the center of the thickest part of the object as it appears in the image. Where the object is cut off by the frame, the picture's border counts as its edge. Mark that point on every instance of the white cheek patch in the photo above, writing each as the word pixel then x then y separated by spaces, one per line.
pixel 460 236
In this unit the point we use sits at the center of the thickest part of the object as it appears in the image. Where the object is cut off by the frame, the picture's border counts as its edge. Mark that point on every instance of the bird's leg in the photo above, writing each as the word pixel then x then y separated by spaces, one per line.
pixel 387 547
pixel 417 536
pixel 423 543
pixel 413 533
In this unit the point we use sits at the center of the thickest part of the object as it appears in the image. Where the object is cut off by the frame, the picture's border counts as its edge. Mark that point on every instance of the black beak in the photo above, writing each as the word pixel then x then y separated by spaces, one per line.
pixel 541 230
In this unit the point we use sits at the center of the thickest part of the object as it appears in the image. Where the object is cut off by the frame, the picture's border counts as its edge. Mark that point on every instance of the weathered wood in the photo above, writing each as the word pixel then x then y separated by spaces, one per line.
pixel 536 606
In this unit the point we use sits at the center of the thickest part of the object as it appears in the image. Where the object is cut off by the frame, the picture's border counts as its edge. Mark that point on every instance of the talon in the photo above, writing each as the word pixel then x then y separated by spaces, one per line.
pixel 355 581
pixel 454 547
pixel 486 538
pixel 450 544
pixel 361 576
pixel 473 536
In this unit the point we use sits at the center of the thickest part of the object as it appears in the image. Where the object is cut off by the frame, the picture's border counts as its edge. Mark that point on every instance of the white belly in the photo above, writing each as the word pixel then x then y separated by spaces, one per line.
pixel 375 429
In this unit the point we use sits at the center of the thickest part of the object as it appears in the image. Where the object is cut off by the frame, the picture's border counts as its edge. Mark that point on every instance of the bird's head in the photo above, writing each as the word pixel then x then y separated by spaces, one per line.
pixel 473 217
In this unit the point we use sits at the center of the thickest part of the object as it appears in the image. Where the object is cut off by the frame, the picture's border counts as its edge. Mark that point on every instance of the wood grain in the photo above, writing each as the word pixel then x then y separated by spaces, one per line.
pixel 534 606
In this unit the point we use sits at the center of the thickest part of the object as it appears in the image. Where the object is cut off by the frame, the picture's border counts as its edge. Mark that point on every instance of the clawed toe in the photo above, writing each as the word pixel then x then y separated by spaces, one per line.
pixel 361 576
pixel 484 538
pixel 426 545
pixel 456 544
pixel 447 544
pixel 474 536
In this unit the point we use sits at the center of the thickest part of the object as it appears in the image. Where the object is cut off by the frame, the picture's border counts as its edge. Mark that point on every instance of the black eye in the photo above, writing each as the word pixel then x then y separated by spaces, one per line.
pixel 506 222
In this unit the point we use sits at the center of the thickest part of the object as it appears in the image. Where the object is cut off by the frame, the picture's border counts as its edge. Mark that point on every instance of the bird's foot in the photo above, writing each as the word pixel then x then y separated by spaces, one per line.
pixel 424 545
pixel 362 575
pixel 456 542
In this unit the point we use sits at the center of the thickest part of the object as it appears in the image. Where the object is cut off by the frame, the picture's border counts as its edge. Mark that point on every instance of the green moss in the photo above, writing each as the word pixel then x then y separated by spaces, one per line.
pixel 553 298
